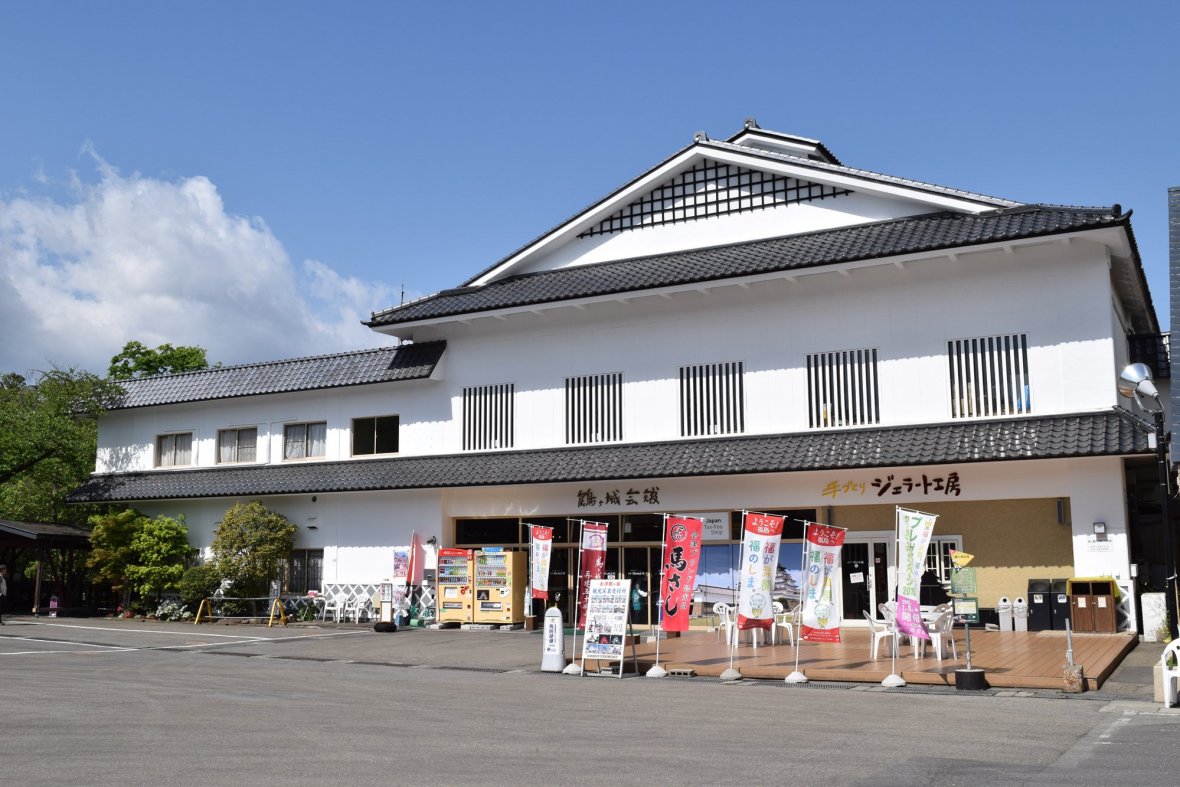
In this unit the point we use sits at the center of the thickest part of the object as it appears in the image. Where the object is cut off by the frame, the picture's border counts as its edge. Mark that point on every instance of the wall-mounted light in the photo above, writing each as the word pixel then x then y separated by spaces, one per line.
pixel 313 527
pixel 1099 528
pixel 432 541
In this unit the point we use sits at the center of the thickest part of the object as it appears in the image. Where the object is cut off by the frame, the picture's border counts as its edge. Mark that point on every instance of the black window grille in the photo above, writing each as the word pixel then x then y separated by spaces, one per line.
pixel 842 389
pixel 488 417
pixel 303 571
pixel 708 189
pixel 712 399
pixel 989 376
pixel 594 408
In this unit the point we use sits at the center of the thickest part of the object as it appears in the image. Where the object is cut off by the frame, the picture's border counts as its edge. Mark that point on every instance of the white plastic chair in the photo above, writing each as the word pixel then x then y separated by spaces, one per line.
pixel 356 607
pixel 725 621
pixel 333 606
pixel 783 620
pixel 1171 675
pixel 879 631
pixel 942 634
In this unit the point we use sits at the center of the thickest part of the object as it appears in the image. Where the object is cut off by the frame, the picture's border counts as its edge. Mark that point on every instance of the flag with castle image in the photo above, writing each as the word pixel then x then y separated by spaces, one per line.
pixel 762 535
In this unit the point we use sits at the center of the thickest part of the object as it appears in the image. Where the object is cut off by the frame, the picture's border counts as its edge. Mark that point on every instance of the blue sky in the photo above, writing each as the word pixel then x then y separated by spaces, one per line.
pixel 255 177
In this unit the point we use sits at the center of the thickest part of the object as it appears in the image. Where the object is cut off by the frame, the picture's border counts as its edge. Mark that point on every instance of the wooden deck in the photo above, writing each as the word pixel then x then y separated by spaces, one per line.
pixel 1019 660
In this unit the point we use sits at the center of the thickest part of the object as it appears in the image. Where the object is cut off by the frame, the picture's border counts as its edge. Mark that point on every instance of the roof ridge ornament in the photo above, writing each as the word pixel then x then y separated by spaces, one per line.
pixel 751 122
pixel 700 136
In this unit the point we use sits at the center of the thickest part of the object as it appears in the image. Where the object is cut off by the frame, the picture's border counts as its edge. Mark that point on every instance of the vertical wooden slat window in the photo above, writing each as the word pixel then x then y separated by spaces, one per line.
pixel 712 399
pixel 842 389
pixel 594 408
pixel 489 417
pixel 989 376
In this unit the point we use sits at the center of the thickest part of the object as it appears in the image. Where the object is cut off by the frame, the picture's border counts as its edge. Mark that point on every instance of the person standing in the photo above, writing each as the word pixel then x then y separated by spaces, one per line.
pixel 3 591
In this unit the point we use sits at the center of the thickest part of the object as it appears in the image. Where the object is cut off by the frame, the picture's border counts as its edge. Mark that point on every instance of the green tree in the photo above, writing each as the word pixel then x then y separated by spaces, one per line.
pixel 160 551
pixel 249 544
pixel 112 550
pixel 136 360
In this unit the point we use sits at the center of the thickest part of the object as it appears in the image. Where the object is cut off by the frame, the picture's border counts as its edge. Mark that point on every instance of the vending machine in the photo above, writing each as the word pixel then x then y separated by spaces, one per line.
pixel 455 593
pixel 500 579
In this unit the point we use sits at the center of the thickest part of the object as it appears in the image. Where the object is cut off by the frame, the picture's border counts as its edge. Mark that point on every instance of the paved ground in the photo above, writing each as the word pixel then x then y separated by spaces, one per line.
pixel 130 702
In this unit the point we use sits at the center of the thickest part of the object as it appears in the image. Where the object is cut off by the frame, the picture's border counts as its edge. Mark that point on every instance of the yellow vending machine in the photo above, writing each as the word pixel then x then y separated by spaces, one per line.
pixel 454 585
pixel 500 579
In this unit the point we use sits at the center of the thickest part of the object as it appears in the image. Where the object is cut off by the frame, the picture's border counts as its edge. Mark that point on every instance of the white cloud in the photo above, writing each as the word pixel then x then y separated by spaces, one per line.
pixel 158 261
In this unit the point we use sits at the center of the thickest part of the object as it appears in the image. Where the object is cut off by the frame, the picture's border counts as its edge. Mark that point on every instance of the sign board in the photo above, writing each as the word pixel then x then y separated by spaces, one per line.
pixel 606 621
pixel 967 609
pixel 963 581
pixel 714 527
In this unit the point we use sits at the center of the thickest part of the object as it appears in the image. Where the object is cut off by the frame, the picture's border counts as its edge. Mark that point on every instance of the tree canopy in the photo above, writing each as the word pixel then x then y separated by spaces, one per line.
pixel 249 544
pixel 136 360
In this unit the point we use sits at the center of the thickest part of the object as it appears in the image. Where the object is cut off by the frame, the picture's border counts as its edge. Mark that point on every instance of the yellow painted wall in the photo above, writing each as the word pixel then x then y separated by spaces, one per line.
pixel 1013 540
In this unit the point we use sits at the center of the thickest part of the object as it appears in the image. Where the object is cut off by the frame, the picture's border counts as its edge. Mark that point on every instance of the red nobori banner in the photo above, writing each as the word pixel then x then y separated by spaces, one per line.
pixel 591 563
pixel 822 584
pixel 760 542
pixel 682 555
pixel 540 548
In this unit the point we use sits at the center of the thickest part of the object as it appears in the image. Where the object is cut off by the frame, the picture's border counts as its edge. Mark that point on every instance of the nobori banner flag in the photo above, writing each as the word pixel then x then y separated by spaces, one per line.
pixel 540 550
pixel 760 541
pixel 913 537
pixel 592 563
pixel 682 554
pixel 822 584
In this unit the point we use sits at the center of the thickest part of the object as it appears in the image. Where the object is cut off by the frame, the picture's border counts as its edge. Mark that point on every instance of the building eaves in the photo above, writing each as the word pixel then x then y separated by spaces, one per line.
pixel 1106 433
pixel 930 232
pixel 380 365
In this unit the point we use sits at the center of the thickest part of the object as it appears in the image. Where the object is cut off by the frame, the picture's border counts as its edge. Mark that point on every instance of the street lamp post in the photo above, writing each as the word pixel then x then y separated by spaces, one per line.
pixel 1134 382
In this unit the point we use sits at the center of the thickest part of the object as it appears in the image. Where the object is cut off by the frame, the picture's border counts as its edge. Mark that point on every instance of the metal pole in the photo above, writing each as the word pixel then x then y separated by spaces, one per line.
pixel 1161 455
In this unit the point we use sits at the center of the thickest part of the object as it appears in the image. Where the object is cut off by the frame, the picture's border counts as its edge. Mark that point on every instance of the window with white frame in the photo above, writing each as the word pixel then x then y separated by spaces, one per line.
pixel 237 445
pixel 377 435
pixel 174 450
pixel 989 376
pixel 842 389
pixel 306 440
pixel 488 417
pixel 938 556
pixel 712 399
pixel 594 408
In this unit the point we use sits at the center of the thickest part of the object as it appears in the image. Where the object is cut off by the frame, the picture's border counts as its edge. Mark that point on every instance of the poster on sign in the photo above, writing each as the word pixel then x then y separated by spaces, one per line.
pixel 822 599
pixel 540 551
pixel 606 619
pixel 762 534
pixel 401 563
pixel 592 563
pixel 682 554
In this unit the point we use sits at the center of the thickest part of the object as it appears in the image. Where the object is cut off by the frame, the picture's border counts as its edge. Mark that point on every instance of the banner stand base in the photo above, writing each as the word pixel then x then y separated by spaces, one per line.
pixel 573 668
pixel 795 677
pixel 731 674
pixel 657 672
pixel 893 681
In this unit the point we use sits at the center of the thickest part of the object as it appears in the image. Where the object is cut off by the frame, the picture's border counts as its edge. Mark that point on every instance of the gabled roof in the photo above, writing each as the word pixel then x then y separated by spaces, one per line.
pixel 380 365
pixel 931 232
pixel 1106 433
pixel 43 534
pixel 941 196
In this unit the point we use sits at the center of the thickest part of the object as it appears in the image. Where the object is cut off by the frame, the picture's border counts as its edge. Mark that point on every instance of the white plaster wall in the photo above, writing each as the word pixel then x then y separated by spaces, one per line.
pixel 907 313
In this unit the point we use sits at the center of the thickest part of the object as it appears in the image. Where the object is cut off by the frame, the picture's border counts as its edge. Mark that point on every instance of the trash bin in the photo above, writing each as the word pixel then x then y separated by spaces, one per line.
pixel 1092 605
pixel 1040 610
pixel 1020 610
pixel 1059 602
pixel 1004 610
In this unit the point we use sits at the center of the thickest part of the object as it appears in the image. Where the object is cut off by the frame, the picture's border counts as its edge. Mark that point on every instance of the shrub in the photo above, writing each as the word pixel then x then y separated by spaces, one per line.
pixel 198 583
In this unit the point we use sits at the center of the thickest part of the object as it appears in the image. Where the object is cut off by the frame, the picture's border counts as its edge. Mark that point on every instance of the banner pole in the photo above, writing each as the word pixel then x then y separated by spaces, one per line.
pixel 657 671
pixel 893 680
pixel 572 668
pixel 731 673
pixel 797 676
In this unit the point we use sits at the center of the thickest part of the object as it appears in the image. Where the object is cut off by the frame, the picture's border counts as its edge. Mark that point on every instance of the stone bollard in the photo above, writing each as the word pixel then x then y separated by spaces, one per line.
pixel 1074 680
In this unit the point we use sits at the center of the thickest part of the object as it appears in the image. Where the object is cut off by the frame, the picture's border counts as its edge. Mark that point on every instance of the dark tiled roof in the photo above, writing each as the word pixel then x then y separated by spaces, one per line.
pixel 381 365
pixel 930 232
pixel 1109 433
pixel 14 533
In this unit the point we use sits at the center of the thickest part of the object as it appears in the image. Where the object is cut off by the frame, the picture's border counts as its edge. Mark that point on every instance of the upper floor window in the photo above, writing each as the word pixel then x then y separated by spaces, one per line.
pixel 237 445
pixel 989 376
pixel 376 435
pixel 174 450
pixel 842 389
pixel 712 399
pixel 305 441
pixel 488 417
pixel 594 408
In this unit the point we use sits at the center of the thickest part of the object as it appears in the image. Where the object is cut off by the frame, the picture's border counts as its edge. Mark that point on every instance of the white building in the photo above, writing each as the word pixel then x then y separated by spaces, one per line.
pixel 750 324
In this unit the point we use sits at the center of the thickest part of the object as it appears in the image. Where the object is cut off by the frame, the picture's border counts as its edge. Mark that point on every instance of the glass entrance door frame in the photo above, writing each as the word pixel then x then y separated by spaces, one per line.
pixel 877 572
